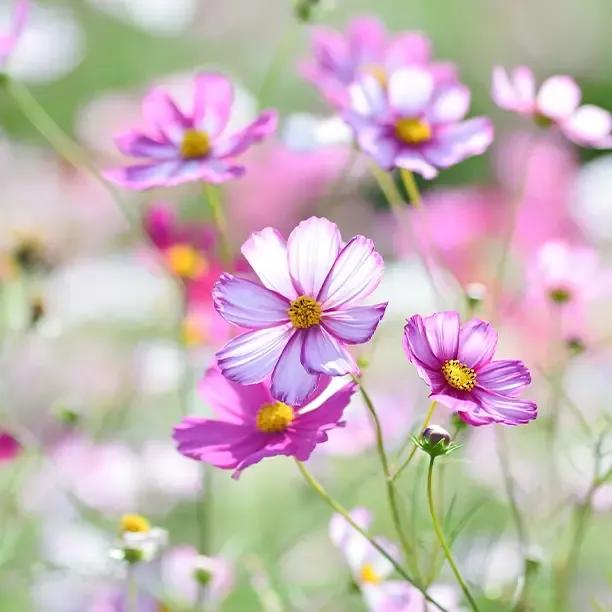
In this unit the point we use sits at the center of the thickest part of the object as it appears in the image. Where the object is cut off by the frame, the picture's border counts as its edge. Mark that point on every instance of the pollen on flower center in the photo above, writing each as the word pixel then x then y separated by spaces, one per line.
pixel 458 375
pixel 273 418
pixel 304 312
pixel 183 260
pixel 368 575
pixel 412 131
pixel 195 144
pixel 134 523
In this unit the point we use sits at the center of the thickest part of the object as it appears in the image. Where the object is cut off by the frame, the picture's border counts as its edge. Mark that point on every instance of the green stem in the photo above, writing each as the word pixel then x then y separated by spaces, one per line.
pixel 389 188
pixel 442 539
pixel 216 206
pixel 337 507
pixel 132 590
pixel 414 195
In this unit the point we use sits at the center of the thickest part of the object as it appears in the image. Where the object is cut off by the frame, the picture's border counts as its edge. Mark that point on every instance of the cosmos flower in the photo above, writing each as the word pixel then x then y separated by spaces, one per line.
pixel 9 39
pixel 456 361
pixel 139 542
pixel 253 425
pixel 366 48
pixel 415 122
pixel 180 146
pixel 556 103
pixel 305 310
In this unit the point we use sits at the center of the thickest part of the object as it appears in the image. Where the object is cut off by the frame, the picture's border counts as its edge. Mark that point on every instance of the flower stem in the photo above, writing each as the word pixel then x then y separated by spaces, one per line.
pixel 414 195
pixel 337 507
pixel 424 425
pixel 442 540
pixel 389 188
pixel 216 206
pixel 131 604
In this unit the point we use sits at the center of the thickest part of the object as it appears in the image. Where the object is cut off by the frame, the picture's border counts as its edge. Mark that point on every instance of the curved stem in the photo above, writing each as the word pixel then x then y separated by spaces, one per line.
pixel 216 206
pixel 390 191
pixel 414 195
pixel 337 507
pixel 442 539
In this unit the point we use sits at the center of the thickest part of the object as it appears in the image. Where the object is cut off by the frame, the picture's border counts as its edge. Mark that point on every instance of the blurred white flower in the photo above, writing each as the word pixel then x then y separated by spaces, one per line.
pixel 592 208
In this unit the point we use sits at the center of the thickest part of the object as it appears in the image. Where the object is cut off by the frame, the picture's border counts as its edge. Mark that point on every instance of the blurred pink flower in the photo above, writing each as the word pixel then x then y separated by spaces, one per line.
pixel 9 447
pixel 456 361
pixel 304 313
pixel 180 147
pixel 254 425
pixel 415 122
pixel 556 102
pixel 9 39
pixel 366 48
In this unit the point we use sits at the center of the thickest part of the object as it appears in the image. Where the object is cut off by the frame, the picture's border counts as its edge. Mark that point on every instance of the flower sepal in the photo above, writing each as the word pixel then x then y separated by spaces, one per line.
pixel 435 441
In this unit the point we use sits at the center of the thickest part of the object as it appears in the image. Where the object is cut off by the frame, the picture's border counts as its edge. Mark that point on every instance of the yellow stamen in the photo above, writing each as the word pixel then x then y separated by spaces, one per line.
pixel 412 131
pixel 195 144
pixel 304 312
pixel 134 523
pixel 183 260
pixel 378 72
pixel 458 375
pixel 368 575
pixel 273 418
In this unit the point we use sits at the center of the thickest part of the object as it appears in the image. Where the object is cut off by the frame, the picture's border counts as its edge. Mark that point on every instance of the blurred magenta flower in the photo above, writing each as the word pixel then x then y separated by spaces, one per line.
pixel 254 425
pixel 305 311
pixel 9 447
pixel 415 122
pixel 366 48
pixel 180 147
pixel 9 39
pixel 556 103
pixel 456 361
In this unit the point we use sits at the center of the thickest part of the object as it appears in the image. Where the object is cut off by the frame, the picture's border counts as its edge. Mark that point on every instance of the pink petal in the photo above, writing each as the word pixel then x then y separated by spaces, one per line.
pixel 250 357
pixel 505 409
pixel 323 354
pixel 558 97
pixel 410 90
pixel 237 143
pixel 213 96
pixel 505 376
pixel 477 343
pixel 329 412
pixel 135 144
pixel 589 126
pixel 356 272
pixel 312 249
pixel 409 48
pixel 160 224
pixel 291 383
pixel 9 447
pixel 161 113
pixel 516 95
pixel 450 104
pixel 442 331
pixel 366 38
pixel 354 325
pixel 415 162
pixel 146 176
pixel 416 345
pixel 367 97
pixel 248 304
pixel 266 252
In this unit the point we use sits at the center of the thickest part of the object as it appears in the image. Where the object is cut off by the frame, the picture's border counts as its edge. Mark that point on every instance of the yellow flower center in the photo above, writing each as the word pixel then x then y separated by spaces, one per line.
pixel 195 144
pixel 458 375
pixel 183 260
pixel 273 418
pixel 368 575
pixel 134 523
pixel 412 131
pixel 304 312
pixel 378 72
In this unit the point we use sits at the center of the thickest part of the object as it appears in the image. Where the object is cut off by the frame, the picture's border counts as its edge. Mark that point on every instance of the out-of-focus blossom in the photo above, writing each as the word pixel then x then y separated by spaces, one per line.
pixel 305 311
pixel 305 132
pixel 415 122
pixel 180 146
pixel 253 425
pixel 138 542
pixel 9 39
pixel 366 48
pixel 10 447
pixel 555 103
pixel 456 361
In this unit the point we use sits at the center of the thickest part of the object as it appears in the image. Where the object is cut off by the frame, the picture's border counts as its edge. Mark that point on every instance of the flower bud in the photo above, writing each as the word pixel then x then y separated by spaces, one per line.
pixel 436 441
pixel 202 576
pixel 436 434
pixel 475 294
pixel 303 9
pixel 132 555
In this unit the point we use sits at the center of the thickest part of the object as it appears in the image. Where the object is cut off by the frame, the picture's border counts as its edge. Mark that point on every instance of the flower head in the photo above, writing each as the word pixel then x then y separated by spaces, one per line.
pixel 138 540
pixel 456 361
pixel 9 39
pixel 182 146
pixel 415 122
pixel 303 312
pixel 556 103
pixel 253 425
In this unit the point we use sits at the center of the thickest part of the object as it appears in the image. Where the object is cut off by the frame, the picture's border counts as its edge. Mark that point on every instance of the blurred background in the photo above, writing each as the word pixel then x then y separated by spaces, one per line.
pixel 99 359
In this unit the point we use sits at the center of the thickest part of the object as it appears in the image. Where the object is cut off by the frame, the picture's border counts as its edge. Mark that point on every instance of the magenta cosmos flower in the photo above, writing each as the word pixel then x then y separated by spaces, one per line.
pixel 366 48
pixel 9 447
pixel 456 361
pixel 556 103
pixel 253 425
pixel 415 122
pixel 178 147
pixel 305 310
pixel 9 40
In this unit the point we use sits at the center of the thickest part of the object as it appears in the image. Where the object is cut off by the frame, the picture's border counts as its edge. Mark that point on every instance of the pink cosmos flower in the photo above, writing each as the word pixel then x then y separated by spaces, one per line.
pixel 415 122
pixel 181 146
pixel 556 102
pixel 254 425
pixel 305 310
pixel 9 39
pixel 9 447
pixel 366 48
pixel 456 361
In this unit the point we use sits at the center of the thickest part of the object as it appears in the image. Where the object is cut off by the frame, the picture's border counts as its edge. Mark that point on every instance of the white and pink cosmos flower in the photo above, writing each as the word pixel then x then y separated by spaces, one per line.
pixel 8 40
pixel 305 310
pixel 557 102
pixel 415 122
pixel 179 146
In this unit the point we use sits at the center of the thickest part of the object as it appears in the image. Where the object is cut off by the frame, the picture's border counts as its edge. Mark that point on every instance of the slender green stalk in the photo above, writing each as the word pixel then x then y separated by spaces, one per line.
pixel 442 540
pixel 389 188
pixel 216 205
pixel 132 590
pixel 414 195
pixel 337 507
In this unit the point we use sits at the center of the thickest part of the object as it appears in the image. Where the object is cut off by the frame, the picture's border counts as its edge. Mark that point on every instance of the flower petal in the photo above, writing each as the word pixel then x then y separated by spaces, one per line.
pixel 367 98
pixel 416 345
pixel 410 90
pixel 235 144
pixel 505 376
pixel 516 94
pixel 266 252
pixel 558 97
pixel 245 303
pixel 329 412
pixel 450 104
pixel 146 176
pixel 323 354
pixel 408 48
pixel 442 331
pixel 415 162
pixel 135 144
pixel 161 113
pixel 213 96
pixel 250 357
pixel 312 248
pixel 589 126
pixel 503 408
pixel 354 325
pixel 477 343
pixel 357 271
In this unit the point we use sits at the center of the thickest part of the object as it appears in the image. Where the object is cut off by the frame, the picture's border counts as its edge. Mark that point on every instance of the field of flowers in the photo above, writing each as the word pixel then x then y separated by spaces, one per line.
pixel 305 306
